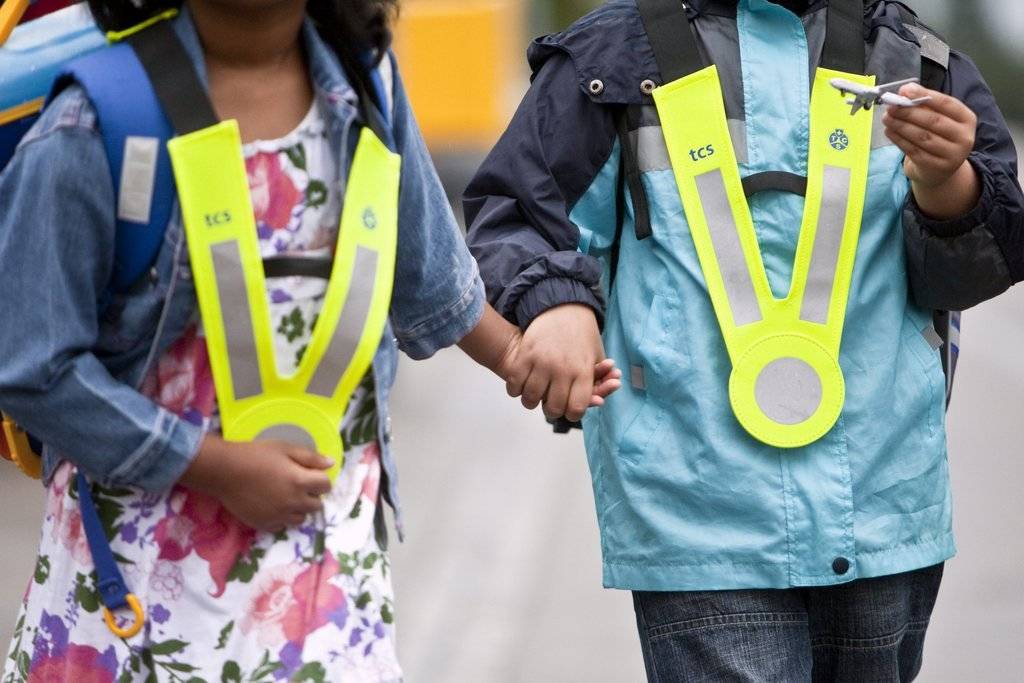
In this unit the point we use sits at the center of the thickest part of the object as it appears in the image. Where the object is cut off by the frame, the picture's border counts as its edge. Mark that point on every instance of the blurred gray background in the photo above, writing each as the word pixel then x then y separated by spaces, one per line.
pixel 500 579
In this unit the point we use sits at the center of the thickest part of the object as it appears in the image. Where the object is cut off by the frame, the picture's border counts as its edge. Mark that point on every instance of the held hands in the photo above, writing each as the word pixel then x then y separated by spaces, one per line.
pixel 268 485
pixel 559 361
pixel 937 137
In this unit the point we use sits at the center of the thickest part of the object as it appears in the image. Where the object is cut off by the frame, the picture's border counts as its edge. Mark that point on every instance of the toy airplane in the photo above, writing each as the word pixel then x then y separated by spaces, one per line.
pixel 866 96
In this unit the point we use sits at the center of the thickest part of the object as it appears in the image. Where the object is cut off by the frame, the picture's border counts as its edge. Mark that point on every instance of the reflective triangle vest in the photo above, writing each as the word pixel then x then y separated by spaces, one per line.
pixel 786 387
pixel 254 399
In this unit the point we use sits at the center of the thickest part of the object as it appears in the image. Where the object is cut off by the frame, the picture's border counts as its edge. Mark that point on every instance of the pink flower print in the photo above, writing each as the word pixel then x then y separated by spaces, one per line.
pixel 56 497
pixel 272 599
pixel 199 523
pixel 371 483
pixel 182 381
pixel 66 518
pixel 67 528
pixel 78 663
pixel 55 660
pixel 316 600
pixel 274 196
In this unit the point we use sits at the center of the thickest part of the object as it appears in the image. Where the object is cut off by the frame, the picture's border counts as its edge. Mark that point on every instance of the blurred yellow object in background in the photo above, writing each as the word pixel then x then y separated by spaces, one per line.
pixel 462 64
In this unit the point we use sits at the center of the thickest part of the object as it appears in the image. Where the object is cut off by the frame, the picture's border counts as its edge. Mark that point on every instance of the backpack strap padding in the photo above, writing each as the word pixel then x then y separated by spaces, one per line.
pixel 127 107
pixel 173 79
pixel 844 37
pixel 670 36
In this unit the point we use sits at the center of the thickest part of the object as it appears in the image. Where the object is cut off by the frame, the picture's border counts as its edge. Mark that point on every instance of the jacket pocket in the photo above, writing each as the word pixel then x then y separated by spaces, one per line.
pixel 926 381
pixel 657 364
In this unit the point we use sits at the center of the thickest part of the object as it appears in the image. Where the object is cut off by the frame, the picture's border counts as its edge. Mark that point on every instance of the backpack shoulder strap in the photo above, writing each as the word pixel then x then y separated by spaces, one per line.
pixel 934 49
pixel 135 132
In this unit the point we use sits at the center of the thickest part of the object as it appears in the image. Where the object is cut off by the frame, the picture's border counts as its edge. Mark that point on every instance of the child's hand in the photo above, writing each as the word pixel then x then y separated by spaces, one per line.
pixel 560 360
pixel 268 485
pixel 937 138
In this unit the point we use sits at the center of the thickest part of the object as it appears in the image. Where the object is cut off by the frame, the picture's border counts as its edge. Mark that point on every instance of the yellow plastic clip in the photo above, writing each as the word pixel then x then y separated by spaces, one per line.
pixel 136 626
pixel 117 36
pixel 19 451
pixel 11 12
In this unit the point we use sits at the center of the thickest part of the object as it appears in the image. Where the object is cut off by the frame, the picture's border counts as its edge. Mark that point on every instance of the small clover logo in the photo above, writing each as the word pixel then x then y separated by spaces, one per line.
pixel 839 140
pixel 369 218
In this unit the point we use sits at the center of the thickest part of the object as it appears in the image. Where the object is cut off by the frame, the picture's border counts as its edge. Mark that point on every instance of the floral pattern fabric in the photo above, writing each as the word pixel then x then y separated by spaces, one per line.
pixel 224 602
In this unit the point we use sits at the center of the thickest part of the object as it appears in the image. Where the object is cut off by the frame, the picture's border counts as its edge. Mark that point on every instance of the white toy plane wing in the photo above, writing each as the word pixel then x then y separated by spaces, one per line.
pixel 865 96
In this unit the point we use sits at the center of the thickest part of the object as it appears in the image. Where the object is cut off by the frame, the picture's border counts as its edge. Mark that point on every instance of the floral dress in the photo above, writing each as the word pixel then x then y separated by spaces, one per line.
pixel 224 602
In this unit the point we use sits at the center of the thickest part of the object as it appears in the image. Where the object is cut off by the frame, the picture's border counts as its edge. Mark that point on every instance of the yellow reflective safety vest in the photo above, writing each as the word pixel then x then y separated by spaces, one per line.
pixel 786 386
pixel 254 400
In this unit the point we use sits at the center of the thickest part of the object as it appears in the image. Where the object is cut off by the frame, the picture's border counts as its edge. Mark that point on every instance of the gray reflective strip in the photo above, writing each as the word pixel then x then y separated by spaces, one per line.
pixel 636 376
pixel 933 338
pixel 738 133
pixel 349 329
pixel 788 391
pixel 728 250
pixel 652 153
pixel 827 239
pixel 878 136
pixel 237 319
pixel 288 433
pixel 932 47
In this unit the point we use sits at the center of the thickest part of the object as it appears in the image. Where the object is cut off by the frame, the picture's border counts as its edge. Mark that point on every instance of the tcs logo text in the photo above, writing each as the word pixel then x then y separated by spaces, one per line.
pixel 702 152
pixel 219 218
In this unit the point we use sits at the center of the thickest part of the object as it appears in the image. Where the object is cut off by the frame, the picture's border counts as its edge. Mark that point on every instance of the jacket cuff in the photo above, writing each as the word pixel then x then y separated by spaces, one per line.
pixel 552 292
pixel 162 458
pixel 450 325
pixel 961 225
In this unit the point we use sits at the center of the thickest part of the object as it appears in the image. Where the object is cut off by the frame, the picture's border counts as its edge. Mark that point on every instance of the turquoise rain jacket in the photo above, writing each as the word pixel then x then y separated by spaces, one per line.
pixel 686 500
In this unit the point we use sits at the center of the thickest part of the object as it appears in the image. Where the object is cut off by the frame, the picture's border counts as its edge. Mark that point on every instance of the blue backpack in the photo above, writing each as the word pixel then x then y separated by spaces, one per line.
pixel 38 62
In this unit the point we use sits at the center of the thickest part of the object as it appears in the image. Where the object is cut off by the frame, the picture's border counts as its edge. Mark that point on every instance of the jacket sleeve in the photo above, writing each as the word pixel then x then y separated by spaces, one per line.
pixel 438 297
pixel 519 203
pixel 56 251
pixel 960 263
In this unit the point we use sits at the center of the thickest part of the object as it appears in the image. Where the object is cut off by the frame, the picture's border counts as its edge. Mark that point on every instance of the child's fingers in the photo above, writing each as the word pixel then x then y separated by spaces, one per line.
pixel 579 398
pixel 940 102
pixel 535 388
pixel 935 123
pixel 517 381
pixel 557 399
pixel 914 152
pixel 604 367
pixel 926 139
pixel 309 459
pixel 607 387
pixel 318 485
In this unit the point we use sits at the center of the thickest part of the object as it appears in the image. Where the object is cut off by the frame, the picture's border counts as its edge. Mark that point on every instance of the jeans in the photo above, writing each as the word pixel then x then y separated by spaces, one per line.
pixel 868 630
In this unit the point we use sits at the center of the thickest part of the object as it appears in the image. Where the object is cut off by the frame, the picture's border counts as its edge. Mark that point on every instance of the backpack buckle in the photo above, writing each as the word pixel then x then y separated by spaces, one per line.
pixel 15 446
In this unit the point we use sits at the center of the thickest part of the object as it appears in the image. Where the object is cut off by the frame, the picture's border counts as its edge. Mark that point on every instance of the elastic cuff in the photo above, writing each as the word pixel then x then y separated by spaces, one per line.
pixel 970 220
pixel 163 458
pixel 447 327
pixel 552 292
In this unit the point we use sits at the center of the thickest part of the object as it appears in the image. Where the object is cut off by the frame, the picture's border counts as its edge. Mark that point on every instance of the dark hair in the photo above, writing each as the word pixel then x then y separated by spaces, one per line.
pixel 348 26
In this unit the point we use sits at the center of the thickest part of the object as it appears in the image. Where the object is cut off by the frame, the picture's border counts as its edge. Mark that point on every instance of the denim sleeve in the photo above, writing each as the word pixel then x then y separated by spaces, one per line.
pixel 957 264
pixel 56 250
pixel 518 206
pixel 438 296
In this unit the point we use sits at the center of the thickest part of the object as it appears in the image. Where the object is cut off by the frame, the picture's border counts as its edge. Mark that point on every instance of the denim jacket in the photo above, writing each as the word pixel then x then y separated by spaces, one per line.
pixel 71 377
